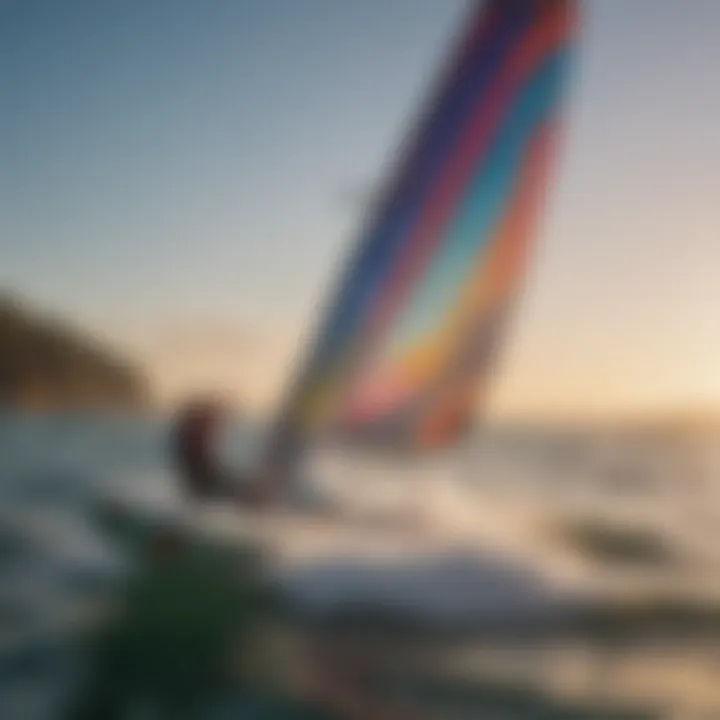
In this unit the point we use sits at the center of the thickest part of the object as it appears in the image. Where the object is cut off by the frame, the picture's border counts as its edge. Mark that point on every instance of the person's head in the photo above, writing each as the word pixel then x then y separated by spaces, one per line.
pixel 201 414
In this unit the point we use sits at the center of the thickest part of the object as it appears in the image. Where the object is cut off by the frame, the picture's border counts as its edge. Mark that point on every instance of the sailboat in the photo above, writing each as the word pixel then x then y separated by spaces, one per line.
pixel 403 356
pixel 404 353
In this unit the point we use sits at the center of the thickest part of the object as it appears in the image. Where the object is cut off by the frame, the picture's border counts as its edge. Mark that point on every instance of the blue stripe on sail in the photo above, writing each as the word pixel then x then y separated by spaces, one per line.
pixel 483 206
pixel 393 229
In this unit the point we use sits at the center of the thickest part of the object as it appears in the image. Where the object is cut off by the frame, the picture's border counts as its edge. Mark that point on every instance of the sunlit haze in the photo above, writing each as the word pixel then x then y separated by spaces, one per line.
pixel 182 177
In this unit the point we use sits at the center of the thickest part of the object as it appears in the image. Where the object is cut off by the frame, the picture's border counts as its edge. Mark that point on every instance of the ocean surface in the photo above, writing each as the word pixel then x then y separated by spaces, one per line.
pixel 500 528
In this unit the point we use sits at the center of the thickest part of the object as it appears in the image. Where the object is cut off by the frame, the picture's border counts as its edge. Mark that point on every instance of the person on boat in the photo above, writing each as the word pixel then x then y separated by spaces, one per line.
pixel 203 478
pixel 194 450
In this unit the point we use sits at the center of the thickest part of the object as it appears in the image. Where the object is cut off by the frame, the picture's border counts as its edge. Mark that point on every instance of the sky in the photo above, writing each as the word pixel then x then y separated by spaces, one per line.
pixel 182 177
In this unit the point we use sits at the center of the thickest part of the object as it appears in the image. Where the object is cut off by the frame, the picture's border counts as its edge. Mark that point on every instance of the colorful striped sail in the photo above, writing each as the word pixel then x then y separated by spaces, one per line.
pixel 411 334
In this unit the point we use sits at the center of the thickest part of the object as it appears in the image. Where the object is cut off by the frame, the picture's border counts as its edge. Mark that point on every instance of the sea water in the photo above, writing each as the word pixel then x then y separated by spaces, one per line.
pixel 490 530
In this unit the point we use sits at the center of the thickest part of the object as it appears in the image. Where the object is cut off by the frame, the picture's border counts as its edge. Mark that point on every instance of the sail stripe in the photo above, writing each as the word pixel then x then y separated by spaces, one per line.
pixel 489 296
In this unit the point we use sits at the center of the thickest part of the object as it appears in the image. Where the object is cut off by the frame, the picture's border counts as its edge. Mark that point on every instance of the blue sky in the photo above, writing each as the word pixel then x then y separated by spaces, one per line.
pixel 182 175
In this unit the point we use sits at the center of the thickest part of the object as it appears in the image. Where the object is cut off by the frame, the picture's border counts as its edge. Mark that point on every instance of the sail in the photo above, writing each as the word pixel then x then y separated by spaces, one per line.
pixel 409 339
